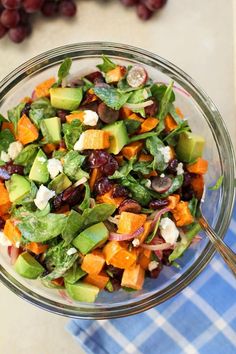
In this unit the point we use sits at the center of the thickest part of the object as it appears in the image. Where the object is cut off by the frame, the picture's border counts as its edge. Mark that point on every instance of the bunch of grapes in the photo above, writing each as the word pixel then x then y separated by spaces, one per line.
pixel 16 15
pixel 145 8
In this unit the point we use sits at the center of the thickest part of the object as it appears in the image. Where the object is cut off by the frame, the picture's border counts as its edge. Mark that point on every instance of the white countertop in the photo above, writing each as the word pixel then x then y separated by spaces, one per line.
pixel 195 35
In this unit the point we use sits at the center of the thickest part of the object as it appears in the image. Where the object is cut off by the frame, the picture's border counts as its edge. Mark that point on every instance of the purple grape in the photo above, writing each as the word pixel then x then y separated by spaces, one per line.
pixel 10 18
pixel 18 34
pixel 102 186
pixel 143 12
pixel 32 6
pixel 11 4
pixel 161 184
pixel 61 113
pixel 137 76
pixel 107 114
pixel 153 5
pixel 67 8
pixel 49 8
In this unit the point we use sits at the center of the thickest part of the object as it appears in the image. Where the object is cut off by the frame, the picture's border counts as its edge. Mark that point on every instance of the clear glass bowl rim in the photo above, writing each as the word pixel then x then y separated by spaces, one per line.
pixel 56 55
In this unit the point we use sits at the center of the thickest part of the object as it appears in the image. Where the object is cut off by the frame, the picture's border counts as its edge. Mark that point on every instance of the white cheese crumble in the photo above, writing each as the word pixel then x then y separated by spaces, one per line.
pixel 90 118
pixel 179 169
pixel 4 241
pixel 14 149
pixel 168 230
pixel 42 197
pixel 17 244
pixel 135 242
pixel 166 152
pixel 148 183
pixel 79 145
pixel 4 156
pixel 71 251
pixel 152 265
pixel 54 167
pixel 162 175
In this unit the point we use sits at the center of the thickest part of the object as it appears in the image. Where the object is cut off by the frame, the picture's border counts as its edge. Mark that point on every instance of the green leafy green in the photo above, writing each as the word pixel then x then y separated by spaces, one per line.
pixel 40 229
pixel 63 71
pixel 6 138
pixel 72 226
pixel 158 91
pixel 192 205
pixel 124 170
pixel 176 184
pixel 181 246
pixel 142 136
pixel 109 286
pixel 97 214
pixel 217 184
pixel 132 125
pixel 58 260
pixel 41 109
pixel 2 119
pixel 172 137
pixel 72 165
pixel 139 192
pixel 87 84
pixel 140 95
pixel 143 167
pixel 174 115
pixel 153 145
pixel 111 96
pixel 107 65
pixel 72 133
pixel 86 201
pixel 166 99
pixel 14 114
pixel 27 155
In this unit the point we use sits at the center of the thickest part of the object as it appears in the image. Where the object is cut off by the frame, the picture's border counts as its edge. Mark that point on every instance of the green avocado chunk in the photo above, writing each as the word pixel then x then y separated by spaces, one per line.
pixel 118 136
pixel 72 276
pixel 60 183
pixel 66 98
pixel 82 292
pixel 90 238
pixel 17 187
pixel 27 266
pixel 51 129
pixel 189 147
pixel 39 170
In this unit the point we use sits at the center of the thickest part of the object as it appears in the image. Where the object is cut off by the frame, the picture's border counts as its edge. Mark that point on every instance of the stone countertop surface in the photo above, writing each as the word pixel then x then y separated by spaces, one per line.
pixel 195 35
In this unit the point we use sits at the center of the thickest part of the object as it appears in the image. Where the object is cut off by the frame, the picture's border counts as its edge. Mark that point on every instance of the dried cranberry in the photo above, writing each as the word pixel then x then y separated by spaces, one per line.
pixel 120 191
pixel 71 196
pixel 165 257
pixel 151 110
pixel 98 158
pixel 57 202
pixel 115 284
pixel 187 193
pixel 172 166
pixel 155 272
pixel 130 206
pixel 110 167
pixel 116 272
pixel 158 203
pixel 102 186
pixel 187 179
pixel 26 109
pixel 2 223
pixel 11 169
pixel 61 113
pixel 95 77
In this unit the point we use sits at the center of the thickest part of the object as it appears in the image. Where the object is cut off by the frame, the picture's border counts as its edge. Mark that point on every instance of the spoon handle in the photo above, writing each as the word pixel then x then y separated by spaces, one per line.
pixel 226 253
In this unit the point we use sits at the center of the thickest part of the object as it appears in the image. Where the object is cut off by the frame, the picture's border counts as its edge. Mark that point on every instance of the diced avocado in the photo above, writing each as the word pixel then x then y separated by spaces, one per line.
pixel 51 129
pixel 82 292
pixel 90 238
pixel 118 136
pixel 27 266
pixel 189 147
pixel 66 98
pixel 18 186
pixel 60 183
pixel 72 276
pixel 39 170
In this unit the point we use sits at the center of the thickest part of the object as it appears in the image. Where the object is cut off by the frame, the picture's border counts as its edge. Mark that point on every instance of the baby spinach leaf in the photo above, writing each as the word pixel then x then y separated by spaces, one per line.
pixel 6 138
pixel 139 95
pixel 217 184
pixel 40 229
pixel 58 260
pixel 41 109
pixel 158 91
pixel 111 96
pixel 139 192
pixel 153 145
pixel 72 133
pixel 142 136
pixel 97 214
pixel 2 119
pixel 27 155
pixel 107 64
pixel 72 226
pixel 181 246
pixel 143 167
pixel 192 205
pixel 132 125
pixel 124 170
pixel 14 114
pixel 85 203
pixel 63 71
pixel 164 107
pixel 174 115
pixel 172 137
pixel 72 165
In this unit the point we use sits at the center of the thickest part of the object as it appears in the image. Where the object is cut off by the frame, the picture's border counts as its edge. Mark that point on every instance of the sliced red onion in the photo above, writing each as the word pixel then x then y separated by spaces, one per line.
pixel 158 247
pixel 134 106
pixel 158 215
pixel 13 253
pixel 125 237
pixel 64 296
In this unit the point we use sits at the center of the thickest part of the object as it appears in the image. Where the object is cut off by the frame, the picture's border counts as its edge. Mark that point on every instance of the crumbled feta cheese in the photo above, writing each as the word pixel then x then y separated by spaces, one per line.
pixel 42 197
pixel 14 149
pixel 41 159
pixel 54 167
pixel 162 175
pixel 166 152
pixel 180 169
pixel 71 251
pixel 4 241
pixel 90 118
pixel 17 244
pixel 148 183
pixel 135 242
pixel 80 143
pixel 4 156
pixel 168 230
pixel 152 265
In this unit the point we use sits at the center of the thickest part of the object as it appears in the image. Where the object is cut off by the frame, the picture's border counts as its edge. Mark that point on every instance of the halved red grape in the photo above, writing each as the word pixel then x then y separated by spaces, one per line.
pixel 11 4
pixel 67 8
pixel 161 184
pixel 49 8
pixel 137 76
pixel 10 18
pixel 107 114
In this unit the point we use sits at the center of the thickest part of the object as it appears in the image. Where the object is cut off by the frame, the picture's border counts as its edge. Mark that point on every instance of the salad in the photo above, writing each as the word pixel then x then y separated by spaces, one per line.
pixel 101 179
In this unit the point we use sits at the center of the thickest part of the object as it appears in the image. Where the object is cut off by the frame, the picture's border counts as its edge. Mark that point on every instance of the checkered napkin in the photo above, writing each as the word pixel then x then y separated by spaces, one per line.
pixel 199 320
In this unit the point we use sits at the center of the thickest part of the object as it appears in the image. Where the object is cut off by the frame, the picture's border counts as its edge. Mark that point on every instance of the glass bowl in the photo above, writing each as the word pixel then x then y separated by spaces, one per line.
pixel 204 119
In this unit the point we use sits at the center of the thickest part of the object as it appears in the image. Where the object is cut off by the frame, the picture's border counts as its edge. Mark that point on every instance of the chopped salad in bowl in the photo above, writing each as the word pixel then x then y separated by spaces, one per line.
pixel 101 181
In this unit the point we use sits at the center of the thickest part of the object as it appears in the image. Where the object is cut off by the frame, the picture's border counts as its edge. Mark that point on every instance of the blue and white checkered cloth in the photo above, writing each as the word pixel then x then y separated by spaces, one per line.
pixel 199 320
